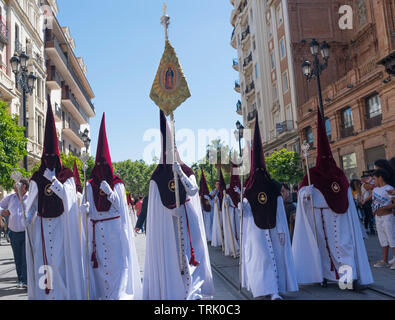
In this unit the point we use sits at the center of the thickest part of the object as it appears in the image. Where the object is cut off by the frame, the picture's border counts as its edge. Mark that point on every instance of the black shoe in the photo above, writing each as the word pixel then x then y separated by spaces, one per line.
pixel 324 283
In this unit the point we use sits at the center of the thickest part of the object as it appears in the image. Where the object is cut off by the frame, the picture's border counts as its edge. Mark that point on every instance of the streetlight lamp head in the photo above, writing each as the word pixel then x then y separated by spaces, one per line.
pixel 31 79
pixel 325 50
pixel 238 125
pixel 24 58
pixel 306 68
pixel 15 63
pixel 314 47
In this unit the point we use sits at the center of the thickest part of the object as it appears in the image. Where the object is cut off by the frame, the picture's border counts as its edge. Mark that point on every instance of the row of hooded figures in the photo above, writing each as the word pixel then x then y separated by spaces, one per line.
pixel 81 243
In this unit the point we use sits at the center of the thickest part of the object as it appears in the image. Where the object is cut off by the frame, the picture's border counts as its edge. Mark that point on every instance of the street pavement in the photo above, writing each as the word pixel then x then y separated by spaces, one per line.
pixel 225 274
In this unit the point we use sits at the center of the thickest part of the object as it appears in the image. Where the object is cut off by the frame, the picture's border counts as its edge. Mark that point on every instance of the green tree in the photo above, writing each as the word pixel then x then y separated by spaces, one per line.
pixel 12 145
pixel 68 162
pixel 285 166
pixel 136 175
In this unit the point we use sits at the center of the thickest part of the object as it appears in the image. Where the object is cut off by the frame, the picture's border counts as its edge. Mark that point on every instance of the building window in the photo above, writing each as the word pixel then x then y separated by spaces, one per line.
pixel 275 93
pixel 270 30
pixel 362 12
pixel 285 81
pixel 328 128
pixel 373 106
pixel 373 154
pixel 308 133
pixel 288 113
pixel 347 126
pixel 282 48
pixel 272 63
pixel 349 165
pixel 256 71
pixel 279 14
pixel 39 133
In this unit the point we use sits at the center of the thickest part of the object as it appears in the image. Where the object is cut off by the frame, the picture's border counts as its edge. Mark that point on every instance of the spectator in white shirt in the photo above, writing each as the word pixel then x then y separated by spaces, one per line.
pixel 11 207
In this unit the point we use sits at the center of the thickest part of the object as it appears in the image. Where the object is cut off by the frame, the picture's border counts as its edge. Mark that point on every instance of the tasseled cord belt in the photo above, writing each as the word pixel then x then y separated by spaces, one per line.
pixel 94 222
pixel 192 261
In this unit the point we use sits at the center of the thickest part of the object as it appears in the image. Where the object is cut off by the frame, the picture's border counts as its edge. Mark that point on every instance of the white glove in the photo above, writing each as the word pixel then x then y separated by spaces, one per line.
pixel 105 187
pixel 49 175
pixel 281 237
pixel 237 189
pixel 84 208
pixel 177 168
pixel 206 197
pixel 240 206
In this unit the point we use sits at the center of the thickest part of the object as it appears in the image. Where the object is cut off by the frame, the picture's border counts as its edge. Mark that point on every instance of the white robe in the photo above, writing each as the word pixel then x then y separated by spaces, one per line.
pixel 267 266
pixel 118 274
pixel 344 237
pixel 63 248
pixel 216 238
pixel 208 223
pixel 229 225
pixel 162 274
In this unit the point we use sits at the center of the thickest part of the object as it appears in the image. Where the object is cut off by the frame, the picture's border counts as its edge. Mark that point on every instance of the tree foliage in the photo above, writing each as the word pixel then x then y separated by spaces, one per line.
pixel 68 162
pixel 136 175
pixel 12 145
pixel 285 166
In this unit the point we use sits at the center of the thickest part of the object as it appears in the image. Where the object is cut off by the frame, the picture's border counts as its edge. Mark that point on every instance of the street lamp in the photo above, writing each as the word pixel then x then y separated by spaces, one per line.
pixel 239 132
pixel 25 82
pixel 315 71
pixel 86 139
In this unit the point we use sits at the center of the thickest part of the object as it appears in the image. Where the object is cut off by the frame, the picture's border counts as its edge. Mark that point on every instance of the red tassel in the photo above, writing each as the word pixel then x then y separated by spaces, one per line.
pixel 193 261
pixel 94 260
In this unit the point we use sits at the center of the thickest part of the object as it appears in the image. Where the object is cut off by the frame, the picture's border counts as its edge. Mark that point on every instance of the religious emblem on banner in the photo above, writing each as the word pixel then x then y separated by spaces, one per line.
pixel 262 198
pixel 170 88
pixel 335 187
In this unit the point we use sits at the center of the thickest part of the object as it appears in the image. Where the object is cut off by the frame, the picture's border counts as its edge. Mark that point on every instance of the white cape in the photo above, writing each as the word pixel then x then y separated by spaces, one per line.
pixel 118 274
pixel 162 274
pixel 344 238
pixel 63 249
pixel 216 238
pixel 267 266
pixel 229 226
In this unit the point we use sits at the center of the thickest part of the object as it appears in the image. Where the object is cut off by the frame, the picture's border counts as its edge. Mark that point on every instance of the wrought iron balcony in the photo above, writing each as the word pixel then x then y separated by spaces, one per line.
pixel 245 34
pixel 373 122
pixel 238 108
pixel 247 60
pixel 284 126
pixel 346 131
pixel 235 64
pixel 3 33
pixel 251 115
pixel 237 86
pixel 250 87
pixel 54 80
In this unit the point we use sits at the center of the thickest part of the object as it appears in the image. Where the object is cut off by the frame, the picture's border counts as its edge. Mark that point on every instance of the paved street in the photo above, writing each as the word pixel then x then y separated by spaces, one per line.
pixel 225 273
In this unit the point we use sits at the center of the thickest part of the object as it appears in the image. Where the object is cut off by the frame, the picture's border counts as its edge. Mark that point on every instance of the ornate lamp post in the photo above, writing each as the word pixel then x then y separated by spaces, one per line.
pixel 86 139
pixel 26 83
pixel 315 71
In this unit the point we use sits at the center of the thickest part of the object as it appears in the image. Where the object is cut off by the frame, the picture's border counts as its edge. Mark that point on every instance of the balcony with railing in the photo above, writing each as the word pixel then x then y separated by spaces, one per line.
pixel 248 61
pixel 71 104
pixel 374 121
pixel 233 39
pixel 3 33
pixel 284 126
pixel 51 42
pixel 72 129
pixel 245 34
pixel 238 108
pixel 251 115
pixel 346 132
pixel 250 88
pixel 237 86
pixel 235 64
pixel 58 112
pixel 54 81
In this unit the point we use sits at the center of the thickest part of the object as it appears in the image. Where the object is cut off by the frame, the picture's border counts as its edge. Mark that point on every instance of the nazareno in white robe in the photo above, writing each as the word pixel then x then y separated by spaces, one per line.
pixel 344 238
pixel 229 226
pixel 63 248
pixel 207 219
pixel 216 239
pixel 267 266
pixel 118 274
pixel 162 273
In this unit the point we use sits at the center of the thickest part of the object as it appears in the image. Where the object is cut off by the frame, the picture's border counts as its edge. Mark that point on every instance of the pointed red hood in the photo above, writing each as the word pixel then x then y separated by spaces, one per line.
pixel 326 176
pixel 102 171
pixel 49 204
pixel 261 190
pixel 203 191
pixel 77 179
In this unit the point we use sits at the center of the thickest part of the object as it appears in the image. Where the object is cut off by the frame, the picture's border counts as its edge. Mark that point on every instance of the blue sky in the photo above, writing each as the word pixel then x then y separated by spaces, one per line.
pixel 122 41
